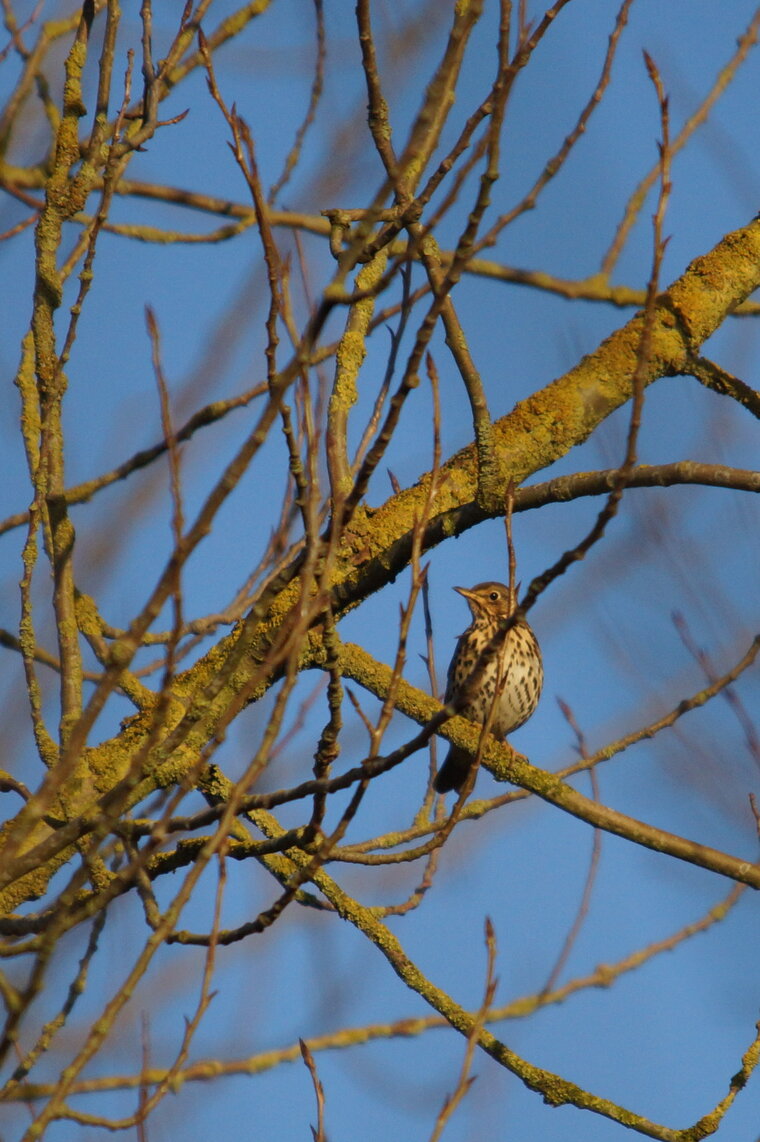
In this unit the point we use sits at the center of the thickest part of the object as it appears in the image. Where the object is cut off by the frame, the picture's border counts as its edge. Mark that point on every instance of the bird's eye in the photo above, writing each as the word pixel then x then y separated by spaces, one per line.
pixel 494 596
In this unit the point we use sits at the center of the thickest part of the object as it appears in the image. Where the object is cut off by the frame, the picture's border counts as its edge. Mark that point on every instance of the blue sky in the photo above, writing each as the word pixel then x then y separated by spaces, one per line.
pixel 666 1039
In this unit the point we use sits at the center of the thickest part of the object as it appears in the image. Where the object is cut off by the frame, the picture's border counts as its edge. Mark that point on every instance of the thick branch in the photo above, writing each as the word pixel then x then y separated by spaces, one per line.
pixel 537 432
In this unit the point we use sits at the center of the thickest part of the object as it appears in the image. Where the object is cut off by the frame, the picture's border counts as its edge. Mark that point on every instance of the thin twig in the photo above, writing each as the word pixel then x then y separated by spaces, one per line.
pixel 596 852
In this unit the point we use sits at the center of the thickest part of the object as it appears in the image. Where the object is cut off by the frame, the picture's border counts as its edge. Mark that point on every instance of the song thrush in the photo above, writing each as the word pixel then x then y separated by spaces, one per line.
pixel 495 667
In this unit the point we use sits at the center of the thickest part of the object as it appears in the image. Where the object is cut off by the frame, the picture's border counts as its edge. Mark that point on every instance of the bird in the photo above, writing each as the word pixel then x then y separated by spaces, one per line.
pixel 496 671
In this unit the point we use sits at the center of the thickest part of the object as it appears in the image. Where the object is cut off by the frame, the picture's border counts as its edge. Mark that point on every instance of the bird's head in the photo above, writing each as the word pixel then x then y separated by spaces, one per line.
pixel 487 600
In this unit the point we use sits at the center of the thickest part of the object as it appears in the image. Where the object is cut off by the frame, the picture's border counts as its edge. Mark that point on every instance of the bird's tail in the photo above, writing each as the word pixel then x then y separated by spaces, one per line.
pixel 454 771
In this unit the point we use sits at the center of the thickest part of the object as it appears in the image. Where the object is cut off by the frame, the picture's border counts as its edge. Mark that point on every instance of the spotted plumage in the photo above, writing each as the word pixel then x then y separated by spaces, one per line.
pixel 490 671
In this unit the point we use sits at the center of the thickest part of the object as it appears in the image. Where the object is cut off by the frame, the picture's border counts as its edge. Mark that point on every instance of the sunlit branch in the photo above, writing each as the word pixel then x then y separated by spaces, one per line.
pixel 346 1038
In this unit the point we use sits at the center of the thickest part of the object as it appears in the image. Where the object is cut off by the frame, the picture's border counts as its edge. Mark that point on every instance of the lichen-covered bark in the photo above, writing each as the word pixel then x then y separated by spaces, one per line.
pixel 377 545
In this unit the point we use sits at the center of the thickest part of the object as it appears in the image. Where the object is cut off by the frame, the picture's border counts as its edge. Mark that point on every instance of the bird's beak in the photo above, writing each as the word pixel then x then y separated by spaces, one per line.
pixel 463 591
